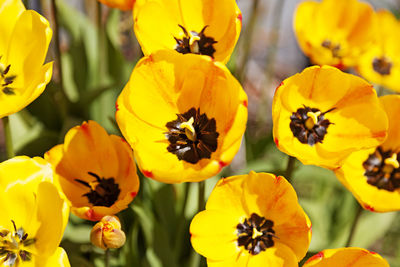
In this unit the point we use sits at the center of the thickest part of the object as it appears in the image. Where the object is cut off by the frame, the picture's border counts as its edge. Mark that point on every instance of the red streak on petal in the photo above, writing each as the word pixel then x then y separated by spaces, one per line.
pixel 340 66
pixel 368 207
pixel 123 140
pixel 240 17
pixel 379 134
pixel 276 90
pixel 85 127
pixel 133 194
pixel 276 142
pixel 222 164
pixel 91 215
pixel 372 252
pixel 278 179
pixel 317 256
pixel 116 106
pixel 245 103
pixel 147 173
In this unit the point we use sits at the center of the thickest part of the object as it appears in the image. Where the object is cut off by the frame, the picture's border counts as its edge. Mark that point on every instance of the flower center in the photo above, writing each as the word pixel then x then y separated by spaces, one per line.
pixel 382 169
pixel 193 136
pixel 196 43
pixel 334 48
pixel 382 65
pixel 309 125
pixel 255 234
pixel 6 79
pixel 13 246
pixel 103 191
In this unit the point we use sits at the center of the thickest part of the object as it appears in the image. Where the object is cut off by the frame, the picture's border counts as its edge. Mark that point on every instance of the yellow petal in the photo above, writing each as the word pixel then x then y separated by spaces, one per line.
pixel 58 259
pixel 351 257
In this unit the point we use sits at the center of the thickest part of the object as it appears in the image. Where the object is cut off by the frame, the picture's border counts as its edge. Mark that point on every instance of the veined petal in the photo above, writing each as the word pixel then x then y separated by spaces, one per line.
pixel 322 107
pixel 182 84
pixel 218 31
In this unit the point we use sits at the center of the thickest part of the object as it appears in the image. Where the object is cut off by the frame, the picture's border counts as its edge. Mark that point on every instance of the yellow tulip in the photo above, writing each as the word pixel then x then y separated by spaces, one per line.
pixel 380 64
pixel 252 220
pixel 183 115
pixel 25 38
pixel 204 27
pixel 322 115
pixel 96 171
pixel 350 257
pixel 373 175
pixel 33 215
pixel 334 32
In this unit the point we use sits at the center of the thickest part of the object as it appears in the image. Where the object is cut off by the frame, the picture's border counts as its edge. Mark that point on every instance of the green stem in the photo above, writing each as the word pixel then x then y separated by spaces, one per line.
pixel 64 98
pixel 202 189
pixel 247 37
pixel 107 258
pixel 290 168
pixel 354 225
pixel 8 137
pixel 181 223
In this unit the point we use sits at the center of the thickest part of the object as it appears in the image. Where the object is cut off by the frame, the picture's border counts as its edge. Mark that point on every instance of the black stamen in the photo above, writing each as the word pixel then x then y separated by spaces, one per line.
pixel 202 146
pixel 379 174
pixel 262 241
pixel 302 133
pixel 205 44
pixel 105 193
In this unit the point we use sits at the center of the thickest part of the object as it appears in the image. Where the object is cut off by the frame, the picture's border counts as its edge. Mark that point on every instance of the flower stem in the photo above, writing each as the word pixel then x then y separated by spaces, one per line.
pixel 64 98
pixel 181 223
pixel 202 189
pixel 353 227
pixel 289 168
pixel 247 37
pixel 8 137
pixel 107 258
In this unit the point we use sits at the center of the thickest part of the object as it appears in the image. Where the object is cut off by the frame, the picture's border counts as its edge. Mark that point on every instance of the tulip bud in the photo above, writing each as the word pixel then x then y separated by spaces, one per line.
pixel 107 233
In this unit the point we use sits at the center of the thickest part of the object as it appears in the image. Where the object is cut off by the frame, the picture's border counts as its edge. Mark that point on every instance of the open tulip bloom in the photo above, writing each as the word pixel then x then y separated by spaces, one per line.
pixel 350 257
pixel 33 215
pixel 252 220
pixel 373 175
pixel 322 115
pixel 96 171
pixel 205 27
pixel 380 64
pixel 334 32
pixel 25 37
pixel 183 115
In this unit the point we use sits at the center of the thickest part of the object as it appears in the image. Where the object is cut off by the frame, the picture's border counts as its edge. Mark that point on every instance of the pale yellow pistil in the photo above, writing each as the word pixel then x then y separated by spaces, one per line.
pixel 312 119
pixel 256 233
pixel 390 164
pixel 189 129
pixel 194 43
